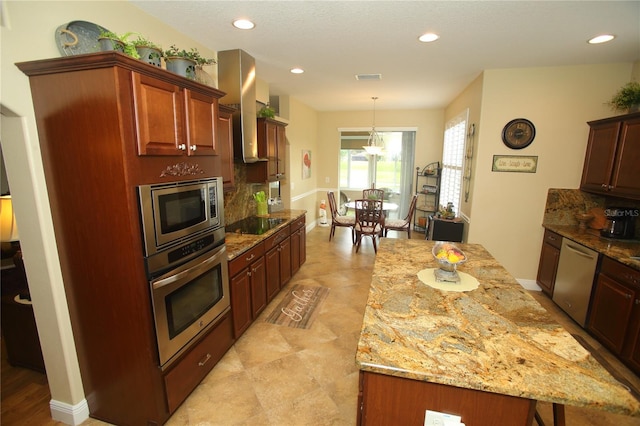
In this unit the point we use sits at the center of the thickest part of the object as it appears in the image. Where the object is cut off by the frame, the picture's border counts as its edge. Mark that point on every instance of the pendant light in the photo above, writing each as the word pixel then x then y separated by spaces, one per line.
pixel 375 144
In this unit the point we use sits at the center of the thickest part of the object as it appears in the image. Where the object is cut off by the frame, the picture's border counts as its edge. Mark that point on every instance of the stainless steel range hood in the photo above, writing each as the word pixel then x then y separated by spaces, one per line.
pixel 237 77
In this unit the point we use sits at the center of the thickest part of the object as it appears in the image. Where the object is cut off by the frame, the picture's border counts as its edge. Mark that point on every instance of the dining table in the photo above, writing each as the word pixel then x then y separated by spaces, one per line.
pixel 386 207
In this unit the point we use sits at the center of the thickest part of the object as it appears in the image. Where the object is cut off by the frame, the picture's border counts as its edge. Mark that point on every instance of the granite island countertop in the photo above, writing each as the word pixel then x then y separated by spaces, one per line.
pixel 237 243
pixel 620 250
pixel 496 338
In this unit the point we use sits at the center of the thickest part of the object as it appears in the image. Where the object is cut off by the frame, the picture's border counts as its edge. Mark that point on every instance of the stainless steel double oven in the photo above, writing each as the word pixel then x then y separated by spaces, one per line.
pixel 186 260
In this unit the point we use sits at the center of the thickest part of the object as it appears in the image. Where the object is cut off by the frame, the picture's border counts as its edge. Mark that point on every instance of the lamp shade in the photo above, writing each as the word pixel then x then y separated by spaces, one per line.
pixel 8 227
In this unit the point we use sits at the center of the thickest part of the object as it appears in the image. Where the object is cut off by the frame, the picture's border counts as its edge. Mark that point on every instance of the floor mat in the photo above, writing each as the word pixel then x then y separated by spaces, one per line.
pixel 299 306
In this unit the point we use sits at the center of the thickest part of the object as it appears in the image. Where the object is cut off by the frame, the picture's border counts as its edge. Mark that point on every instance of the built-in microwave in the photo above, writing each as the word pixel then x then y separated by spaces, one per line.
pixel 179 217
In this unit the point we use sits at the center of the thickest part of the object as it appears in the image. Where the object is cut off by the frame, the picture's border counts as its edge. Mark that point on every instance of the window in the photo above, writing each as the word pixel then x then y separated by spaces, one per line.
pixel 392 171
pixel 453 161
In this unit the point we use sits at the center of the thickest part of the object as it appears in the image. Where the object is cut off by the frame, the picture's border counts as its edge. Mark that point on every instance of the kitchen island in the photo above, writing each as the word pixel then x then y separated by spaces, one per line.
pixel 487 354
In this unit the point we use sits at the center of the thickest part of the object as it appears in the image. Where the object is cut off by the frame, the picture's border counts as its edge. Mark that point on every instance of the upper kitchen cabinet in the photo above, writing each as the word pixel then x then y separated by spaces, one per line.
pixel 225 146
pixel 272 144
pixel 613 155
pixel 162 109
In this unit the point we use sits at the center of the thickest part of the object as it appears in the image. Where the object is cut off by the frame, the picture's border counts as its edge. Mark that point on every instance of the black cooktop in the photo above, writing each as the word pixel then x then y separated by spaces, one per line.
pixel 254 225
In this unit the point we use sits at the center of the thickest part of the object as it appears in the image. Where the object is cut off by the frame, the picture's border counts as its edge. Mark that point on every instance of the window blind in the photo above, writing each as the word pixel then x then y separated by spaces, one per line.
pixel 453 161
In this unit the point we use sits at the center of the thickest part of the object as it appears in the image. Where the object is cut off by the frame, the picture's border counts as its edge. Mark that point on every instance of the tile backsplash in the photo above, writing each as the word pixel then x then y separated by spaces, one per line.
pixel 239 203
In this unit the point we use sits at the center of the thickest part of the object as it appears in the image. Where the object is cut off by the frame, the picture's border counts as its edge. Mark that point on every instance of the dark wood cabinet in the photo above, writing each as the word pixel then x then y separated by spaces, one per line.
pixel 278 259
pixel 248 288
pixel 272 145
pixel 129 118
pixel 615 311
pixel 298 244
pixel 171 120
pixel 225 147
pixel 612 157
pixel 549 257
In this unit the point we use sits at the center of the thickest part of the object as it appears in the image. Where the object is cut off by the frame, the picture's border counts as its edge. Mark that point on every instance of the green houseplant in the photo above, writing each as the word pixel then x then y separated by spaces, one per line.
pixel 627 98
pixel 120 43
pixel 149 52
pixel 184 62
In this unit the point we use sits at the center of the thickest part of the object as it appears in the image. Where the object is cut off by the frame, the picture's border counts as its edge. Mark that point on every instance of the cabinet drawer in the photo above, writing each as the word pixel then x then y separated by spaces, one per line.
pixel 243 260
pixel 552 238
pixel 191 369
pixel 297 224
pixel 620 272
pixel 276 239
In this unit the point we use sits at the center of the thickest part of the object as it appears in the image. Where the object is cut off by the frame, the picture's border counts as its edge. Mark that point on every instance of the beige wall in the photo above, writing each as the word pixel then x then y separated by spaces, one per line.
pixel 28 34
pixel 302 134
pixel 507 208
pixel 429 124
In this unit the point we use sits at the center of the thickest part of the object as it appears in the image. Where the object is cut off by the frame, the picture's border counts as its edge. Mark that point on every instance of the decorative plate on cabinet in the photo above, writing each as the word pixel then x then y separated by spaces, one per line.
pixel 78 37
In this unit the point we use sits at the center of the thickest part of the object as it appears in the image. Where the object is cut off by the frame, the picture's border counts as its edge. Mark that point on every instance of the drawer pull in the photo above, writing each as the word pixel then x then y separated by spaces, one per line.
pixel 204 361
pixel 250 257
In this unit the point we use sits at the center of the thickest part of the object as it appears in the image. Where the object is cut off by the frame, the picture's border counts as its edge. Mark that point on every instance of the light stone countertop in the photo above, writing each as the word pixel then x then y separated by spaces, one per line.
pixel 237 243
pixel 496 338
pixel 620 250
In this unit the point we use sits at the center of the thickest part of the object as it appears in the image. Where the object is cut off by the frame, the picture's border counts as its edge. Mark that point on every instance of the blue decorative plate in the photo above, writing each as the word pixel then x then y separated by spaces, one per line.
pixel 78 37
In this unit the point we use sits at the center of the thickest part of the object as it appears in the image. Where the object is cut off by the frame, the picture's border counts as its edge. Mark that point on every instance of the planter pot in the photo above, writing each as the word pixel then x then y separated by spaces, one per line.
pixel 150 55
pixel 182 66
pixel 107 44
pixel 204 77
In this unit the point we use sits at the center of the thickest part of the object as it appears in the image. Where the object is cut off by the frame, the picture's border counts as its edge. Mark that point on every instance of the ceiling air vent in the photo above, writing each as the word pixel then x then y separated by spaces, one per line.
pixel 368 76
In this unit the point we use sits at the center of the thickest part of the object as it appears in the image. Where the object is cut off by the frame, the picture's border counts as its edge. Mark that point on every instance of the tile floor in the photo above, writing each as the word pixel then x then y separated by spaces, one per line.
pixel 281 376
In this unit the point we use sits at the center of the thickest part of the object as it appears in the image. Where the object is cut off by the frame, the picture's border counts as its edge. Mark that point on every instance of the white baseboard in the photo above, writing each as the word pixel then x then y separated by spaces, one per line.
pixel 529 284
pixel 69 414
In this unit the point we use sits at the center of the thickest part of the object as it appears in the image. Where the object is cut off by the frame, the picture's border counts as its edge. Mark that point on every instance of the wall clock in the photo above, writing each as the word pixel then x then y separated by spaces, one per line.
pixel 518 133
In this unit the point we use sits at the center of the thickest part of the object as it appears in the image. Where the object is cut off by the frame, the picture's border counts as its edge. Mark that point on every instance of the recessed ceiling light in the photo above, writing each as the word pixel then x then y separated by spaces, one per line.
pixel 296 70
pixel 428 37
pixel 602 39
pixel 243 24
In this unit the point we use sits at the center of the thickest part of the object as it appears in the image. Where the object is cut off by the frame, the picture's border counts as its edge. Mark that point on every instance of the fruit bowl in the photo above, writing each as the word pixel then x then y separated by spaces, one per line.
pixel 448 256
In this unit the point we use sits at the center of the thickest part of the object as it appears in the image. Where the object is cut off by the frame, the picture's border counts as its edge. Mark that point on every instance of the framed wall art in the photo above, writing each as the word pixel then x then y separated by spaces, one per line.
pixel 306 164
pixel 515 163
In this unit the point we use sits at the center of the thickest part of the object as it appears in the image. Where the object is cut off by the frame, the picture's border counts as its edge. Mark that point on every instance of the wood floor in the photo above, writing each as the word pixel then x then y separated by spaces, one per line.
pixel 25 394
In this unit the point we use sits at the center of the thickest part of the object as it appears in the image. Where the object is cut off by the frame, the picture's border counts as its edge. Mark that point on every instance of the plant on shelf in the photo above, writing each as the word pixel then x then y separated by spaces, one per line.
pixel 192 54
pixel 111 41
pixel 148 51
pixel 266 112
pixel 627 98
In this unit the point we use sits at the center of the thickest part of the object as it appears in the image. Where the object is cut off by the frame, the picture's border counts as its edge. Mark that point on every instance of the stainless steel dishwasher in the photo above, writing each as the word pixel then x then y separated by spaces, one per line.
pixel 574 279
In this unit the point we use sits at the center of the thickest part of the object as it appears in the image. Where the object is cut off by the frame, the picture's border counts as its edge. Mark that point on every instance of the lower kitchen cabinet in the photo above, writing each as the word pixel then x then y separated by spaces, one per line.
pixel 298 244
pixel 248 288
pixel 615 311
pixel 278 259
pixel 549 257
pixel 198 362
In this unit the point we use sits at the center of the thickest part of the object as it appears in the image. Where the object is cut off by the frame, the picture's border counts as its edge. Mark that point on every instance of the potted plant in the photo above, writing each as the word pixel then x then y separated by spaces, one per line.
pixel 184 62
pixel 149 52
pixel 627 98
pixel 120 43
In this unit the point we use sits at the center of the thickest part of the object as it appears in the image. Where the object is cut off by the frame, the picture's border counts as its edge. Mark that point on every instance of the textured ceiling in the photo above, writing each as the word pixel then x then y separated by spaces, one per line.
pixel 334 40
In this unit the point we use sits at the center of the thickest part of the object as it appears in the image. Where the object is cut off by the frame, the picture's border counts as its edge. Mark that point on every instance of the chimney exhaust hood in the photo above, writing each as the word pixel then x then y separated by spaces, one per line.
pixel 237 77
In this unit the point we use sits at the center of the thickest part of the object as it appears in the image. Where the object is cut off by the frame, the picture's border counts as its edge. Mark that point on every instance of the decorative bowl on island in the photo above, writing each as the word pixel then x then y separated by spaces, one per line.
pixel 448 256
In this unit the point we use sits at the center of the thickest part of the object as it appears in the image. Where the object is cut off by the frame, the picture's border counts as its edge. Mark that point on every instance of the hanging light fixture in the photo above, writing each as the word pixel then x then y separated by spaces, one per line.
pixel 375 144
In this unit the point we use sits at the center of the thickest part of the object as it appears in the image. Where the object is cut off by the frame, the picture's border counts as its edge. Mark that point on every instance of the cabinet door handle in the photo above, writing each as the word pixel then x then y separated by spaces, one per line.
pixel 204 361
pixel 604 185
pixel 193 147
pixel 637 301
pixel 628 296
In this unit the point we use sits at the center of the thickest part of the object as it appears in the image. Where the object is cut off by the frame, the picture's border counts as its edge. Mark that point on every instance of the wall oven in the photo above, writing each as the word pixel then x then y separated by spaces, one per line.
pixel 186 260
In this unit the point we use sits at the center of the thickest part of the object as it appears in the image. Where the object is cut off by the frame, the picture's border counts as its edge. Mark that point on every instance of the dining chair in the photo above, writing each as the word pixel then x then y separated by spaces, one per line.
pixel 373 194
pixel 339 220
pixel 402 225
pixel 369 221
